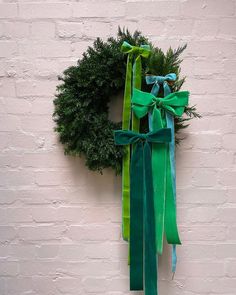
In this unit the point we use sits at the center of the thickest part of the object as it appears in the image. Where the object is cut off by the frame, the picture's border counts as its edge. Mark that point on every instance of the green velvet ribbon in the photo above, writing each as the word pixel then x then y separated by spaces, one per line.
pixel 134 55
pixel 143 264
pixel 165 210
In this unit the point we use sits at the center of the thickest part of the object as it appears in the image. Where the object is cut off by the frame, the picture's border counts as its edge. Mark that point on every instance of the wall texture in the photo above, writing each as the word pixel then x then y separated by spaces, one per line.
pixel 59 223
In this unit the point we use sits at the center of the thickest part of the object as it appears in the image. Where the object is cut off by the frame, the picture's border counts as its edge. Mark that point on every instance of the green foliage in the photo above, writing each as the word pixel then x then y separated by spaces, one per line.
pixel 81 104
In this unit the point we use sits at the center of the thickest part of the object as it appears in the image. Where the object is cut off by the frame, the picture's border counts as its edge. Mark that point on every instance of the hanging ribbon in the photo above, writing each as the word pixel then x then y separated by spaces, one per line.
pixel 142 215
pixel 134 53
pixel 165 210
pixel 157 81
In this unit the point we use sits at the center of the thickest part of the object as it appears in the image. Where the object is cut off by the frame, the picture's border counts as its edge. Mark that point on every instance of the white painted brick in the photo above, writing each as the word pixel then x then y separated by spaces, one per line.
pixel 16 30
pixel 9 123
pixel 227 215
pixel 227 178
pixel 191 8
pixel 15 178
pixel 19 284
pixel 229 142
pixel 42 232
pixel 179 27
pixel 94 232
pixel 8 48
pixel 204 233
pixel 225 250
pixel 9 268
pixel 42 30
pixel 73 214
pixel 22 141
pixel 203 214
pixel 47 251
pixel 68 285
pixel 18 215
pixel 206 28
pixel 96 215
pixel 95 285
pixel 7 196
pixel 140 8
pixel 44 10
pixel 7 233
pixel 48 49
pixel 8 10
pixel 215 8
pixel 101 9
pixel 22 252
pixel 41 214
pixel 96 268
pixel 211 269
pixel 231 268
pixel 202 196
pixel 70 29
pixel 35 88
pixel 7 87
pixel 72 252
pixel 205 177
pixel 197 251
pixel 43 285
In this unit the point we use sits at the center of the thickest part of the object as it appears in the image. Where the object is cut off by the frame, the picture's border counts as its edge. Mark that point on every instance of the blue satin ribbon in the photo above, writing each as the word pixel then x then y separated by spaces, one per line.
pixel 157 81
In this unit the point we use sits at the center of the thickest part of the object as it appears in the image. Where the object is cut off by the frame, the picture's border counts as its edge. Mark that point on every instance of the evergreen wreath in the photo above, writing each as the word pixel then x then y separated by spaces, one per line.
pixel 81 103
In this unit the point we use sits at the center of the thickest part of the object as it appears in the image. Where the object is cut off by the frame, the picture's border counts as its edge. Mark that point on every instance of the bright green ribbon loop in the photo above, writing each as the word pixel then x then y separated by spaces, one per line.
pixel 132 79
pixel 165 212
pixel 142 216
pixel 173 103
pixel 143 50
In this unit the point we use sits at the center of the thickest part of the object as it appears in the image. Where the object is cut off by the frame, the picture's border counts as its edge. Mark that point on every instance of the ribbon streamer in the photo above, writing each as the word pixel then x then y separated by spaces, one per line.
pixel 165 210
pixel 134 53
pixel 157 81
pixel 142 215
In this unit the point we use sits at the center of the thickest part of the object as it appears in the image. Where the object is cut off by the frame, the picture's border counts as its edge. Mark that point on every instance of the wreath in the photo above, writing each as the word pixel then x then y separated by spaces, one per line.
pixel 82 101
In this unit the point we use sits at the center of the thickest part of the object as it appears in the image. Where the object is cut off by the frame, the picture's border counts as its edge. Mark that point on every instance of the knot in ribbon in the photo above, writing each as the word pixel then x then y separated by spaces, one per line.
pixel 160 80
pixel 157 101
pixel 142 215
pixel 143 50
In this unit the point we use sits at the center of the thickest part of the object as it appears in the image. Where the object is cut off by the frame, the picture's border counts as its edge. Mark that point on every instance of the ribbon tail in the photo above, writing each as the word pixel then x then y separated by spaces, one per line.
pixel 170 124
pixel 150 261
pixel 171 229
pixel 126 158
pixel 154 91
pixel 159 181
pixel 136 218
pixel 137 80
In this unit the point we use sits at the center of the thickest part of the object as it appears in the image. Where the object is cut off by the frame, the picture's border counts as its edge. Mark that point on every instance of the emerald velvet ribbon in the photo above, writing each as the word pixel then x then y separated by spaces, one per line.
pixel 165 210
pixel 143 265
pixel 133 78
pixel 157 81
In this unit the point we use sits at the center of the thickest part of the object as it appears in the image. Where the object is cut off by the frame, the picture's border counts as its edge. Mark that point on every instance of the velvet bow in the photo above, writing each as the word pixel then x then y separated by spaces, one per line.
pixel 142 216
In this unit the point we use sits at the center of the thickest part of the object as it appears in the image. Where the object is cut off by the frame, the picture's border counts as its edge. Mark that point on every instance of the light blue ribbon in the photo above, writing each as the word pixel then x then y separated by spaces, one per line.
pixel 157 81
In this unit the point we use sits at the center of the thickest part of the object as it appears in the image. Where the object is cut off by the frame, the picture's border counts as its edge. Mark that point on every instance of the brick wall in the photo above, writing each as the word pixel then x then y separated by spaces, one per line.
pixel 60 223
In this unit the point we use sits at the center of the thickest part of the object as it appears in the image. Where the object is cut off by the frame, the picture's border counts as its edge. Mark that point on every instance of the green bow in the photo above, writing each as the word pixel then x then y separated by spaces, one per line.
pixel 173 103
pixel 132 74
pixel 165 211
pixel 142 220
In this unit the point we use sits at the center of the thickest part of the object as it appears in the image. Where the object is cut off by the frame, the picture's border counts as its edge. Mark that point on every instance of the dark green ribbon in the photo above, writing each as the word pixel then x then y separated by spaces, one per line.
pixel 142 218
pixel 165 211
pixel 134 55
